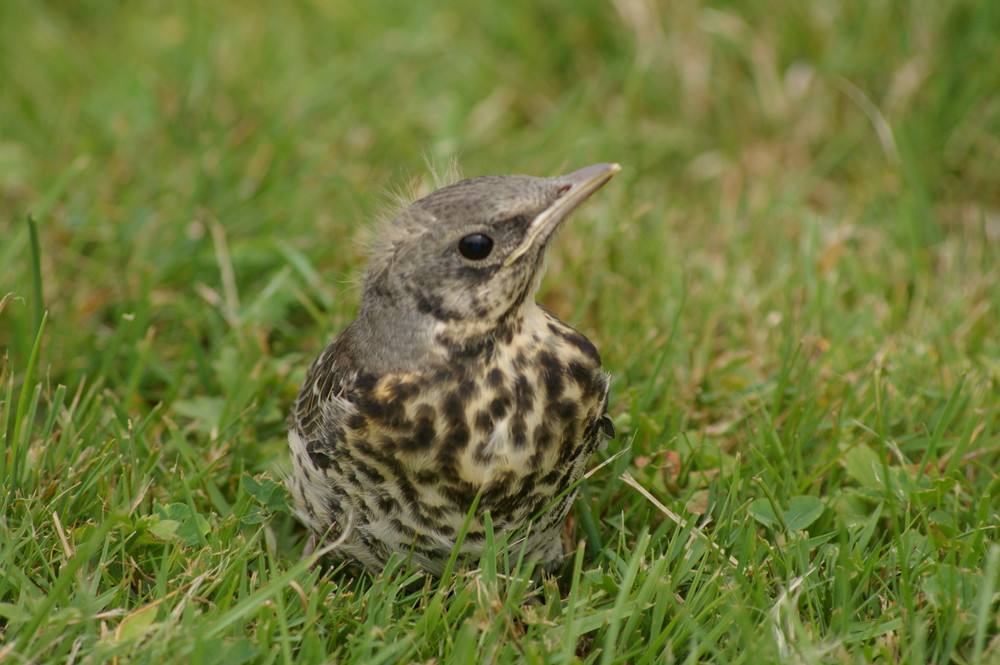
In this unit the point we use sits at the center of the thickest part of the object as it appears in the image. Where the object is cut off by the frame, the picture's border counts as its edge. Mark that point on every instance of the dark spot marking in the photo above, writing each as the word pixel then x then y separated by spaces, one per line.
pixel 564 410
pixel 552 374
pixel 536 459
pixel 499 406
pixel 334 502
pixel 431 553
pixel 584 377
pixel 468 390
pixel 497 492
pixel 524 393
pixel 538 502
pixel 333 432
pixel 356 421
pixel 404 390
pixel 451 446
pixel 375 548
pixel 579 341
pixel 426 477
pixel 390 413
pixel 433 305
pixel 386 459
pixel 438 514
pixel 387 503
pixel 402 529
pixel 518 432
pixel 350 476
pixel 423 430
pixel 484 422
pixel 504 480
pixel 333 466
pixel 421 512
pixel 411 498
pixel 495 377
pixel 528 483
pixel 460 494
pixel 453 410
pixel 542 437
pixel 445 374
pixel 584 344
pixel 369 472
pixel 422 540
pixel 365 381
pixel 479 348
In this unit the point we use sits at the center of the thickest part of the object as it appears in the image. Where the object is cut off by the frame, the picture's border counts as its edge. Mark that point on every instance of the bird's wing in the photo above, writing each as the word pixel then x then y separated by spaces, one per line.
pixel 327 399
pixel 602 428
pixel 608 426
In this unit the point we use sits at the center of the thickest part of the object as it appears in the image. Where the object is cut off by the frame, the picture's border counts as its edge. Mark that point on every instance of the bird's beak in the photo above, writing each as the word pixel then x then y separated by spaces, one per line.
pixel 574 189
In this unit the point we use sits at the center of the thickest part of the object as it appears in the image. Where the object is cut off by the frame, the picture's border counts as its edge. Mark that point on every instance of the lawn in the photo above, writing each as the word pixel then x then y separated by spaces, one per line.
pixel 794 282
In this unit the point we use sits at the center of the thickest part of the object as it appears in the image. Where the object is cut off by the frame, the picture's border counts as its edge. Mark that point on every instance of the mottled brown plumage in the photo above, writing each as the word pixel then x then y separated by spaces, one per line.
pixel 453 382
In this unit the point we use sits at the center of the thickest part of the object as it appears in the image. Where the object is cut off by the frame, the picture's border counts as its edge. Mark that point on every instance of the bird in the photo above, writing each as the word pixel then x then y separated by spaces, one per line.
pixel 452 388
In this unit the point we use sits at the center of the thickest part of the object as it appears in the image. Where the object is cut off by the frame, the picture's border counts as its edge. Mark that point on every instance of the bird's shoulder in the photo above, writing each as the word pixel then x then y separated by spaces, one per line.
pixel 331 389
pixel 582 362
pixel 570 336
pixel 341 399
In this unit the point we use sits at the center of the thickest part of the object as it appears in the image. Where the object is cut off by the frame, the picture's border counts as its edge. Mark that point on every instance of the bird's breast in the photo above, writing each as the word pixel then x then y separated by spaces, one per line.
pixel 512 423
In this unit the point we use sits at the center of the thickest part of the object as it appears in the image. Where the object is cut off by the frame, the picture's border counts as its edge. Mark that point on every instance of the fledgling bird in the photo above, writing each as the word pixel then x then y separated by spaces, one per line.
pixel 453 382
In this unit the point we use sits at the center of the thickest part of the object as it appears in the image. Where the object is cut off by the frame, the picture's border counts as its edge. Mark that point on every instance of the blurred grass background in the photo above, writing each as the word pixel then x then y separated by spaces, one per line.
pixel 794 282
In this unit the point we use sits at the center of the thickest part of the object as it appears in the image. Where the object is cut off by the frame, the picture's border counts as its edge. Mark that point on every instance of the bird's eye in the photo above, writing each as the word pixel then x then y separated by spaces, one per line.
pixel 475 246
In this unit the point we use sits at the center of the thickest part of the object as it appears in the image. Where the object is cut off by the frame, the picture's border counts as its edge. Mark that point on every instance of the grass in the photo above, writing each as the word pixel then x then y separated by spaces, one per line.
pixel 794 282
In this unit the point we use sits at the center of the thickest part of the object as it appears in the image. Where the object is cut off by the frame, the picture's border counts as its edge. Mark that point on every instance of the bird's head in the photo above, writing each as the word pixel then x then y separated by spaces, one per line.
pixel 461 263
